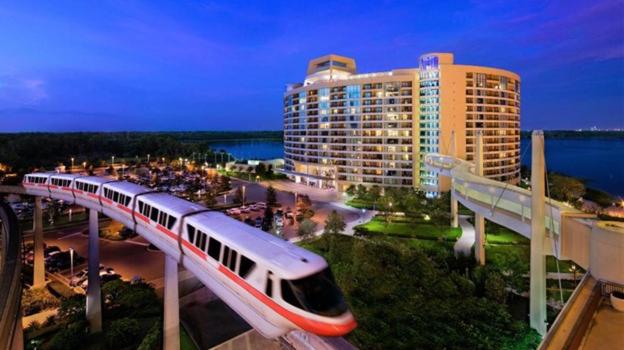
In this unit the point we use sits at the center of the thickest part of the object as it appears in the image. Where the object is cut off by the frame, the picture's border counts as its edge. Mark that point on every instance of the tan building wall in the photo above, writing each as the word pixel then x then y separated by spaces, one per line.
pixel 398 116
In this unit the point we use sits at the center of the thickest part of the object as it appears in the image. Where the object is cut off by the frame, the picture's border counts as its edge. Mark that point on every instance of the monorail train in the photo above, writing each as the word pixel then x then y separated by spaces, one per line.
pixel 274 285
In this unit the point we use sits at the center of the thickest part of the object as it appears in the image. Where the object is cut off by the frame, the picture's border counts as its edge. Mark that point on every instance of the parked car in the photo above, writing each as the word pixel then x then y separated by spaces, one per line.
pixel 279 221
pixel 250 222
pixel 62 261
pixel 104 278
pixel 258 222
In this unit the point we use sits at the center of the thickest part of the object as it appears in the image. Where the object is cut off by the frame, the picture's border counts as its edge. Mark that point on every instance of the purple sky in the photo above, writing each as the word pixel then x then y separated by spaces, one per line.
pixel 199 65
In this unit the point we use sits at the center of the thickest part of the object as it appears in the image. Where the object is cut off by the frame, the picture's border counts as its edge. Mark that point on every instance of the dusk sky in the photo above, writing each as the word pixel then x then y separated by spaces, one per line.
pixel 201 65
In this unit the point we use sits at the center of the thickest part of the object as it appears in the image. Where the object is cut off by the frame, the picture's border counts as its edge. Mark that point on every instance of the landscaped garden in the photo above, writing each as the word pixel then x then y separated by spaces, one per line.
pixel 407 297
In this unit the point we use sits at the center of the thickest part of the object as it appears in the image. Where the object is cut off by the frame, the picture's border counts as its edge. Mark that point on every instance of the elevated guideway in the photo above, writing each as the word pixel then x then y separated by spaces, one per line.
pixel 596 246
pixel 10 282
pixel 554 228
pixel 245 267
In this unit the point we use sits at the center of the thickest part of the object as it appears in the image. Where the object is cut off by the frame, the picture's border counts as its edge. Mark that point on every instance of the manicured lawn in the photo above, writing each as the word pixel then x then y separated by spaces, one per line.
pixel 564 266
pixel 403 227
pixel 505 236
pixel 359 203
pixel 500 255
pixel 185 340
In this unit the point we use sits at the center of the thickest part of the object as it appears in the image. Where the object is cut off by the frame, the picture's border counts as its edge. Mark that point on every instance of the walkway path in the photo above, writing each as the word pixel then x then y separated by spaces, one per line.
pixel 463 246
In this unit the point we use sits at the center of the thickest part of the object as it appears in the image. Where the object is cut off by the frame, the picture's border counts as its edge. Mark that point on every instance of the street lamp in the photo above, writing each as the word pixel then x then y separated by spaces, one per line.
pixel 72 168
pixel 113 161
pixel 573 270
pixel 71 263
pixel 257 178
pixel 243 195
pixel 148 157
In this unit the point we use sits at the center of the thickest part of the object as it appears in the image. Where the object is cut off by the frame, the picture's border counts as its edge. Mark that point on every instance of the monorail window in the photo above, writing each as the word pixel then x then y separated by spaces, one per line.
pixel 162 220
pixel 317 293
pixel 245 266
pixel 115 196
pixel 154 215
pixel 191 233
pixel 140 207
pixel 226 255
pixel 171 222
pixel 268 289
pixel 232 264
pixel 127 201
pixel 202 244
pixel 214 248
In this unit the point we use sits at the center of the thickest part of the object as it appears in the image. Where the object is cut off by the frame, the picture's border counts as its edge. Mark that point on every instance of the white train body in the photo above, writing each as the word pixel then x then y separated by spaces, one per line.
pixel 274 285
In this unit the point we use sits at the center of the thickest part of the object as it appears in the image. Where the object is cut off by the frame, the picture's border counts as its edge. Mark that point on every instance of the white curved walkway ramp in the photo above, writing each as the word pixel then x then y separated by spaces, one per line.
pixel 464 244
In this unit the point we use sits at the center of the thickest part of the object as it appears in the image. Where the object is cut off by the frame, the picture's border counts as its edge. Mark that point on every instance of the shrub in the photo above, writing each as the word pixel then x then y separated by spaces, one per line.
pixel 72 309
pixel 36 299
pixel 71 337
pixel 153 338
pixel 122 333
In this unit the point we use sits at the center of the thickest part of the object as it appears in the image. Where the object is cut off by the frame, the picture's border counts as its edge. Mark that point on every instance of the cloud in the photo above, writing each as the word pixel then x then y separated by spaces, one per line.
pixel 16 91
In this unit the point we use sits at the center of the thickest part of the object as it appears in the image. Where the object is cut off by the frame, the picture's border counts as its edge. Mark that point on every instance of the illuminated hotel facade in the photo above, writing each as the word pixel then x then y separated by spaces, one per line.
pixel 342 128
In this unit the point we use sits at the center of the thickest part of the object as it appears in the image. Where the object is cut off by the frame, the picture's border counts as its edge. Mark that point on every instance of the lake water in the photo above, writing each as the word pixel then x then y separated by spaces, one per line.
pixel 598 161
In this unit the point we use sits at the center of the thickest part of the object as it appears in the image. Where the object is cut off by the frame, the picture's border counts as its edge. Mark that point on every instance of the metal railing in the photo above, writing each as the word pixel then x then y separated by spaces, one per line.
pixel 10 271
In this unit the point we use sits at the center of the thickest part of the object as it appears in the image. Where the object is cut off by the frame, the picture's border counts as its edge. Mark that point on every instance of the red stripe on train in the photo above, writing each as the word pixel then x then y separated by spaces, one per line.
pixel 124 208
pixel 317 327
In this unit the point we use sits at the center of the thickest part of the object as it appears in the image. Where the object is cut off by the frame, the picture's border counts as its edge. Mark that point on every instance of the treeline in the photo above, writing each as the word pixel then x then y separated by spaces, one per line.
pixel 573 134
pixel 25 151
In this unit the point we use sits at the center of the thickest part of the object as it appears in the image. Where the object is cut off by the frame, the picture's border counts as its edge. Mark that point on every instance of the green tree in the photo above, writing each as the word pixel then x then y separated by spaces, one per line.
pixel 306 229
pixel 361 191
pixel 267 220
pixel 72 309
pixel 210 199
pixel 350 190
pixel 73 336
pixel 565 188
pixel 334 224
pixel 261 169
pixel 495 287
pixel 122 333
pixel 239 197
pixel 374 193
pixel 271 196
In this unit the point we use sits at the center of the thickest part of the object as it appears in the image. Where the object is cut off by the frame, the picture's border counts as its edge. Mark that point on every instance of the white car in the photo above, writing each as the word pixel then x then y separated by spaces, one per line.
pixel 279 221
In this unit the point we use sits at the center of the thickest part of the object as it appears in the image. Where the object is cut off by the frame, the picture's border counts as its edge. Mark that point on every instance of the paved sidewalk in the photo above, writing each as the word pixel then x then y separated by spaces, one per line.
pixel 463 246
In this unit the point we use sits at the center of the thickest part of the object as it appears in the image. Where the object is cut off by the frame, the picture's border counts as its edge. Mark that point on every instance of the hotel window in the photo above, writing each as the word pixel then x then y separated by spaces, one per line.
pixel 481 80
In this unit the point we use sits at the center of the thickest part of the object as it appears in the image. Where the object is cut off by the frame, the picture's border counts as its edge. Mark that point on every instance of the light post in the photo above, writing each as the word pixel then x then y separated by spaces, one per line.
pixel 148 157
pixel 573 270
pixel 70 214
pixel 84 165
pixel 257 178
pixel 243 195
pixel 72 167
pixel 225 199
pixel 71 263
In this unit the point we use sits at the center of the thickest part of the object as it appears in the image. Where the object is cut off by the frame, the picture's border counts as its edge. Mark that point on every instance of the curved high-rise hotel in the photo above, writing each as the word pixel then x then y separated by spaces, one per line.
pixel 343 128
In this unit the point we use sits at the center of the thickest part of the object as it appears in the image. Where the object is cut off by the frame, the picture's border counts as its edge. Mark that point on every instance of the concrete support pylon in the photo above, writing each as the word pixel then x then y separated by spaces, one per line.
pixel 18 335
pixel 454 204
pixel 454 210
pixel 39 258
pixel 479 220
pixel 94 298
pixel 537 291
pixel 171 325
